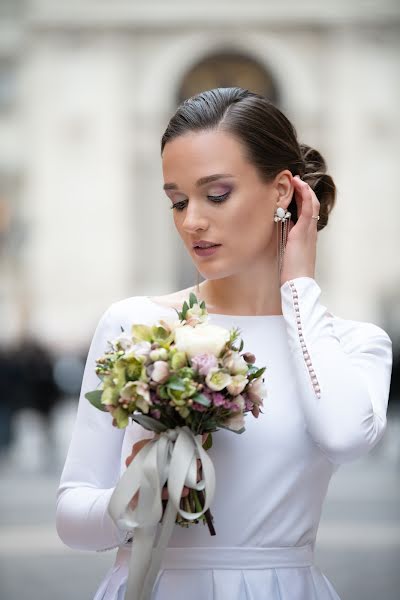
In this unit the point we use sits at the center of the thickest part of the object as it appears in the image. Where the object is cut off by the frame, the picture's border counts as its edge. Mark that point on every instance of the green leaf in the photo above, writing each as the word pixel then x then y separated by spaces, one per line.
pixel 192 299
pixel 95 399
pixel 185 308
pixel 254 372
pixel 149 423
pixel 175 383
pixel 208 443
pixel 233 430
pixel 201 399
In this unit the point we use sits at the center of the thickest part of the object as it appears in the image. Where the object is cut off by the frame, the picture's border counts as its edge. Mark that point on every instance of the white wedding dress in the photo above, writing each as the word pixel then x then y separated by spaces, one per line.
pixel 327 383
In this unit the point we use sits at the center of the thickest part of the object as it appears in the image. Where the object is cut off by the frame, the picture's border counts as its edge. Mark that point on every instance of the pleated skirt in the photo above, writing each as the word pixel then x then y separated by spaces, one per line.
pixel 234 573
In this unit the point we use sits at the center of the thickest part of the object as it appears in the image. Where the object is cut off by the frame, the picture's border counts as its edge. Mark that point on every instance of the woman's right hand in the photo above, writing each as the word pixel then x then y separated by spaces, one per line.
pixel 137 446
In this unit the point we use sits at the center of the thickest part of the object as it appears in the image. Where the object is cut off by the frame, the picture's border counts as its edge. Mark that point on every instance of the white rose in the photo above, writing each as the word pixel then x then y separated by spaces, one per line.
pixel 202 339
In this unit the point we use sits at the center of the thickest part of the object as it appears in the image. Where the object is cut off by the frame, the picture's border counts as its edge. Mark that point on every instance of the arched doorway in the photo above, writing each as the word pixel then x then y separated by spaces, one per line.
pixel 228 69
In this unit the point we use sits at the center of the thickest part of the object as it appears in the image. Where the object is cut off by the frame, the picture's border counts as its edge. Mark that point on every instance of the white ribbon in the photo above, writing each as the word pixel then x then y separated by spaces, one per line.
pixel 170 458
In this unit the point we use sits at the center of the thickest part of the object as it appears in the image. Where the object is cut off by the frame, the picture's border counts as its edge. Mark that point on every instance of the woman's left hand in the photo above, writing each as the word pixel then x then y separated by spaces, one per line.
pixel 301 248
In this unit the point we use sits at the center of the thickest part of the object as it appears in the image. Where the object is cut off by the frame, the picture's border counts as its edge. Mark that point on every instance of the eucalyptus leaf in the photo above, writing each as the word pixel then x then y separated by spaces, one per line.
pixel 174 383
pixel 202 399
pixel 149 423
pixel 233 430
pixel 94 398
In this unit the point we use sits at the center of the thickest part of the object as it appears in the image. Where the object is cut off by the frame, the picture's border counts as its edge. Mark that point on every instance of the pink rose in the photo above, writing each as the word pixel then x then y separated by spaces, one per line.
pixel 204 362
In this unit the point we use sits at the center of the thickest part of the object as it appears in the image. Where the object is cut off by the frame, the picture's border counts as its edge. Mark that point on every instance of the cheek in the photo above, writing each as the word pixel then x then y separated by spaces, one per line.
pixel 255 225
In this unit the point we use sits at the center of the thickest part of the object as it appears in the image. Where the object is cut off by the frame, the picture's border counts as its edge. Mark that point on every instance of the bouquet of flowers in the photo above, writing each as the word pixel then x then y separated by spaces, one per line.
pixel 181 378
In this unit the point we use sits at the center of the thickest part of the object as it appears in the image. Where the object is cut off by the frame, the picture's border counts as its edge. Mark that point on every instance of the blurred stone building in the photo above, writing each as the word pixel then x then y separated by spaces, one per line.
pixel 86 91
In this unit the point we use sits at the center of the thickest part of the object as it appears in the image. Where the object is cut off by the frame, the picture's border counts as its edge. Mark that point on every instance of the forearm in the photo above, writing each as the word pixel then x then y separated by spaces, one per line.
pixel 342 384
pixel 83 521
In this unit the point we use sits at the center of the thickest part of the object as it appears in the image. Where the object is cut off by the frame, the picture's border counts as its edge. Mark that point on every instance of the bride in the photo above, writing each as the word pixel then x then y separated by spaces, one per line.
pixel 248 200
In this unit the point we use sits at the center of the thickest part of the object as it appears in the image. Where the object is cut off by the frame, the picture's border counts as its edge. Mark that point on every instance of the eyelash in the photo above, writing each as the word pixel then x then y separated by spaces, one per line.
pixel 215 199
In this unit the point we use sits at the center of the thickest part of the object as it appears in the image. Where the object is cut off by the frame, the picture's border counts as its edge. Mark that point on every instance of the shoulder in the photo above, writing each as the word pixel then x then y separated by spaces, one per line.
pixel 130 309
pixel 140 309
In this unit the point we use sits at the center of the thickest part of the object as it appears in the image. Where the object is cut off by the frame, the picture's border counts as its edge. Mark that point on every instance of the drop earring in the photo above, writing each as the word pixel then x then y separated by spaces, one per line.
pixel 197 282
pixel 282 217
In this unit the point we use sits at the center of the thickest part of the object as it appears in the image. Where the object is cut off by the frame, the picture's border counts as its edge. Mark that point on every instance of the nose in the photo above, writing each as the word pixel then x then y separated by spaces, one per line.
pixel 194 219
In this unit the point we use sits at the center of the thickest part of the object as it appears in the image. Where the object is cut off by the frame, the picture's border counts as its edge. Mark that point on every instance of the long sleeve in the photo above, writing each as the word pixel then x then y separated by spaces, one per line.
pixel 343 370
pixel 92 466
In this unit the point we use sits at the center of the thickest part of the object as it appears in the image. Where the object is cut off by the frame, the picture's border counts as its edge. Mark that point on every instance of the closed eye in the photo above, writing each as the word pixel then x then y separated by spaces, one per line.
pixel 216 199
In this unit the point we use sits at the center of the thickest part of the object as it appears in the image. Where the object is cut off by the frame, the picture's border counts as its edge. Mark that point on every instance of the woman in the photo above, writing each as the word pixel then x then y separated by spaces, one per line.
pixel 233 169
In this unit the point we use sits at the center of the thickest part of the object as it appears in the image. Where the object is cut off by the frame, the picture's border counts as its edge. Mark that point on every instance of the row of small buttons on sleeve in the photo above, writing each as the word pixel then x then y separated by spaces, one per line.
pixel 306 355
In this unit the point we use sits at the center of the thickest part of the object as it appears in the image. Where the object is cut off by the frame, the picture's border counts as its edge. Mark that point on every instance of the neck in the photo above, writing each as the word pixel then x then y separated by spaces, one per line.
pixel 253 291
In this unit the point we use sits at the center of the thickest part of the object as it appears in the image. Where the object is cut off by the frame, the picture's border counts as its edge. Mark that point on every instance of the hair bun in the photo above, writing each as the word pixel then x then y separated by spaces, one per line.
pixel 314 173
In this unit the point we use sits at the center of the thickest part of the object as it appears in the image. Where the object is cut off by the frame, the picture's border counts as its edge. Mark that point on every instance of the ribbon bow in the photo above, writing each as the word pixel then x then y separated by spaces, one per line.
pixel 170 458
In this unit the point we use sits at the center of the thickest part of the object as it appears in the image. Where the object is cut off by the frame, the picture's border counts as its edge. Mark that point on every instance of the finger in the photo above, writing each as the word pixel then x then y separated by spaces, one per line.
pixel 302 198
pixel 137 446
pixel 306 201
pixel 165 495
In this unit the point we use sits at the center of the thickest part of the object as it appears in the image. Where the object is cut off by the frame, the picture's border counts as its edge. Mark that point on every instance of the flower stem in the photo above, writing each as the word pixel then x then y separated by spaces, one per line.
pixel 199 496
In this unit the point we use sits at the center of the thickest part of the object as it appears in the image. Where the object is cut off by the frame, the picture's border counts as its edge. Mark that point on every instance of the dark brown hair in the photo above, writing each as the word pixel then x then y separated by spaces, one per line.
pixel 268 137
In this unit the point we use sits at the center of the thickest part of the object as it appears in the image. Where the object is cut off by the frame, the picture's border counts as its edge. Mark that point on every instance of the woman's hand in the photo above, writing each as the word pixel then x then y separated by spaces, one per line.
pixel 300 253
pixel 137 446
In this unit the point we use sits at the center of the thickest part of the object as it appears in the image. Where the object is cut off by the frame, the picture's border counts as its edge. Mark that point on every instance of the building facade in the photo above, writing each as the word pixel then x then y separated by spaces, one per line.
pixel 86 91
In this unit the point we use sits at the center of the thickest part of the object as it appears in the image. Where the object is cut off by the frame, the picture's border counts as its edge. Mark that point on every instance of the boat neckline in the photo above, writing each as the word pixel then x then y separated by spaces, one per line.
pixel 161 306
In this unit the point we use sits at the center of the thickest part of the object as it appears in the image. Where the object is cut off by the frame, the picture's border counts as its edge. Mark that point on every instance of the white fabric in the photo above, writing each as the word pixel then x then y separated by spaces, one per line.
pixel 171 458
pixel 271 480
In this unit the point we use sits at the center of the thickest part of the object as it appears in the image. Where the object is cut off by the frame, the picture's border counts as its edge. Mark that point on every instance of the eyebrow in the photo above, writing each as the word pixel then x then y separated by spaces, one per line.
pixel 199 182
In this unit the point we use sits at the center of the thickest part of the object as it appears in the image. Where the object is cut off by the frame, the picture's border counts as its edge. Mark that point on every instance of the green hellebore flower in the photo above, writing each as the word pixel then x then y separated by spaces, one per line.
pixel 119 374
pixel 141 333
pixel 110 395
pixel 161 335
pixel 178 360
pixel 217 380
pixel 134 367
pixel 121 417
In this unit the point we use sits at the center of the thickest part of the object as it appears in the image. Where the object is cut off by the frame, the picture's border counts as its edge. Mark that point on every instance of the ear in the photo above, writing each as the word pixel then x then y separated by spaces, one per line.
pixel 284 188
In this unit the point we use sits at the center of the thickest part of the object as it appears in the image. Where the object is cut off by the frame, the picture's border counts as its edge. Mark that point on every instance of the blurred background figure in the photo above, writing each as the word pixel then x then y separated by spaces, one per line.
pixel 86 90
